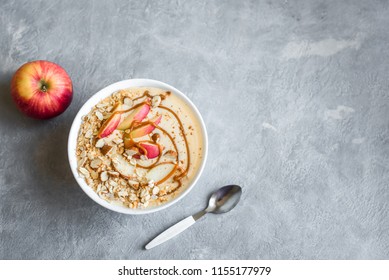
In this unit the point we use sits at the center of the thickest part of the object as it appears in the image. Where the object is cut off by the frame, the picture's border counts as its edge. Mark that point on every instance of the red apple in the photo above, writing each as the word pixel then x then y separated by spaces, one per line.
pixel 137 115
pixel 145 129
pixel 111 123
pixel 41 89
pixel 152 150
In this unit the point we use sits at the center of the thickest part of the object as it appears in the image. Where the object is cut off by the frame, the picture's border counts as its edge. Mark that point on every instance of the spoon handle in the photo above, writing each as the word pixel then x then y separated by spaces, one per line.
pixel 171 232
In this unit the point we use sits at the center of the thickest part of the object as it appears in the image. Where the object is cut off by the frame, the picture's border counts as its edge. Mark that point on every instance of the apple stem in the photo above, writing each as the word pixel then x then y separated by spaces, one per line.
pixel 43 86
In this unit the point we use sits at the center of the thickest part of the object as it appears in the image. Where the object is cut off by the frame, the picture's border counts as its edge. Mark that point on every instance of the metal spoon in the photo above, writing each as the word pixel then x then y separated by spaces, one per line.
pixel 221 201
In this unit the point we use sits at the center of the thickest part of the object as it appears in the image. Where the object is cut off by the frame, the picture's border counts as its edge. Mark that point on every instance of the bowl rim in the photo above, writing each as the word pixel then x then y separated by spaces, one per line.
pixel 85 109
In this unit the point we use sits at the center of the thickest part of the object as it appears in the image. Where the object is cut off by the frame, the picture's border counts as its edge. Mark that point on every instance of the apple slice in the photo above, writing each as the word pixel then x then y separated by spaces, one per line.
pixel 161 172
pixel 152 150
pixel 137 115
pixel 145 129
pixel 122 166
pixel 111 123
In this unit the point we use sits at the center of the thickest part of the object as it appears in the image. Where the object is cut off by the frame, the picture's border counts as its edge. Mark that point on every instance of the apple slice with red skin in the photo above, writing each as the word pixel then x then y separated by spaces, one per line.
pixel 152 150
pixel 137 115
pixel 111 123
pixel 145 129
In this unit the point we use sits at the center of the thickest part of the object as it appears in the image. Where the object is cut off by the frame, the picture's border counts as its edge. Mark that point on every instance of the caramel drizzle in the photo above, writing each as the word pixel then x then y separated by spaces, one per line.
pixel 131 109
pixel 180 176
pixel 156 163
pixel 136 144
pixel 170 173
pixel 135 125
pixel 146 93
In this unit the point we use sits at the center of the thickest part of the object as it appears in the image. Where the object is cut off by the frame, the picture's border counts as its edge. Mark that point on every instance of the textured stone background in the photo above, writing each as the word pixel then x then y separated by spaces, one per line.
pixel 295 98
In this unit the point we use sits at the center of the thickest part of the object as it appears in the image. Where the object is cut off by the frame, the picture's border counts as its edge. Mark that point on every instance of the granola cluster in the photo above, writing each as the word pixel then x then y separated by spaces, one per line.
pixel 110 169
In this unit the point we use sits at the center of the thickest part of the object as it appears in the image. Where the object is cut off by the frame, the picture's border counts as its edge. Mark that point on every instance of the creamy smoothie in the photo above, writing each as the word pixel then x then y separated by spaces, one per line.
pixel 139 147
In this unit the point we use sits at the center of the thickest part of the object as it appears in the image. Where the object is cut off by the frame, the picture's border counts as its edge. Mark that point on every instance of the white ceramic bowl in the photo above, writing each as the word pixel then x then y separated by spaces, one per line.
pixel 85 109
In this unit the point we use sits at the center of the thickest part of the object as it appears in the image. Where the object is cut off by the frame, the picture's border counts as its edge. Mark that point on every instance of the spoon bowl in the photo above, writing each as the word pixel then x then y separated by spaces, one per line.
pixel 224 199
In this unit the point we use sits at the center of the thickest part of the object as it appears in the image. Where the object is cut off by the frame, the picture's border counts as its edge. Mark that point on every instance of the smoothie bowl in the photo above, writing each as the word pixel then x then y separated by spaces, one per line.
pixel 137 146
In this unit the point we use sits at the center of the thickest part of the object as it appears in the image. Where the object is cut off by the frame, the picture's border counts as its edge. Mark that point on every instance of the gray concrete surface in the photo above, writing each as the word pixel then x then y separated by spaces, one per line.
pixel 295 95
